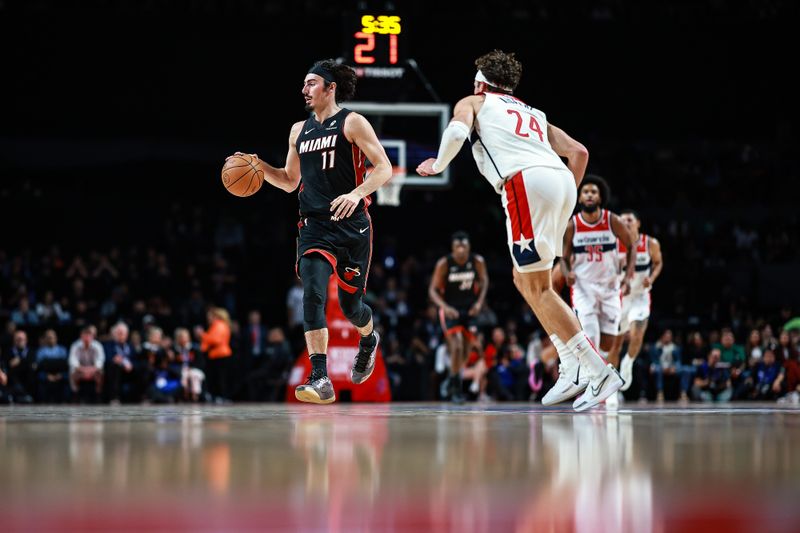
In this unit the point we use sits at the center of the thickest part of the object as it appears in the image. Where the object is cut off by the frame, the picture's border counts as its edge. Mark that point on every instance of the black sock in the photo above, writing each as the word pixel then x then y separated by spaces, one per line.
pixel 368 341
pixel 319 365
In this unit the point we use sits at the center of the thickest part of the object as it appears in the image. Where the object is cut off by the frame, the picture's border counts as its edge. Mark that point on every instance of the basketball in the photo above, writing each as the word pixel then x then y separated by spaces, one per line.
pixel 241 176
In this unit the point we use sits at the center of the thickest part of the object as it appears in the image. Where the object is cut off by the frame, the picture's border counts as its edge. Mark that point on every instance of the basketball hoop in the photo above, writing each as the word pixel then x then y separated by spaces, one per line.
pixel 389 194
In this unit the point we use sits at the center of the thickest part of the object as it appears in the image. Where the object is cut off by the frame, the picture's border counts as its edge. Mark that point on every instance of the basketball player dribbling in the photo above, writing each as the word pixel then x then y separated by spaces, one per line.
pixel 636 304
pixel 591 268
pixel 458 287
pixel 519 153
pixel 335 230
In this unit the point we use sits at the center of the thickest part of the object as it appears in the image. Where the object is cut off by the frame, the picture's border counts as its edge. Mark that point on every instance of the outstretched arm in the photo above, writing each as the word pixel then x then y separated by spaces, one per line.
pixel 453 137
pixel 483 281
pixel 577 155
pixel 658 262
pixel 359 131
pixel 566 258
pixel 288 177
pixel 438 281
pixel 623 234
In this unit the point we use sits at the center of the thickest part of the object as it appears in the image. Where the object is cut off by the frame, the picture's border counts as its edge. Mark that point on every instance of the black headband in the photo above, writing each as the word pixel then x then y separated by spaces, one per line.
pixel 324 73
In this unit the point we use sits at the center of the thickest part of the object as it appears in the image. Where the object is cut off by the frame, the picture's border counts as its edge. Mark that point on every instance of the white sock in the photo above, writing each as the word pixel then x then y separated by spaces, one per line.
pixel 587 354
pixel 568 358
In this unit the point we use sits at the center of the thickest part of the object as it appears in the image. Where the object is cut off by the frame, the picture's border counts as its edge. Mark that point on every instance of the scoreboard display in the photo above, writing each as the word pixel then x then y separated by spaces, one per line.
pixel 374 44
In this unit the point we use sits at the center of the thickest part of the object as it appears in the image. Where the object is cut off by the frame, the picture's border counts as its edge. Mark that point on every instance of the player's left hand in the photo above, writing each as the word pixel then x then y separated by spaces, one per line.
pixel 647 282
pixel 426 167
pixel 344 205
pixel 475 309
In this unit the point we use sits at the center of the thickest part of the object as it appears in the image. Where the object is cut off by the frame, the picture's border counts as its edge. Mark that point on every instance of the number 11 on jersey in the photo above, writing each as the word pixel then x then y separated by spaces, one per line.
pixel 328 159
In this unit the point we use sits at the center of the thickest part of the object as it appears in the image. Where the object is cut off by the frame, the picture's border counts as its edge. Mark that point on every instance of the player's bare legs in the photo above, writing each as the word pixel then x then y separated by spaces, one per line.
pixel 455 346
pixel 317 341
pixel 554 314
pixel 560 322
pixel 636 338
pixel 616 348
pixel 638 327
pixel 365 330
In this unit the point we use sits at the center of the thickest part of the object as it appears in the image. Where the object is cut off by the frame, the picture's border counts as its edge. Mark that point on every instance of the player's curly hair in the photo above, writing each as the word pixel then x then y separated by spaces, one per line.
pixel 500 68
pixel 602 185
pixel 345 78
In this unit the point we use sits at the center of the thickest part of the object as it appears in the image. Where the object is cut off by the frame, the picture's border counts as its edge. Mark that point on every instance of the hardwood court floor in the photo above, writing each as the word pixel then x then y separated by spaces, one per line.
pixel 400 467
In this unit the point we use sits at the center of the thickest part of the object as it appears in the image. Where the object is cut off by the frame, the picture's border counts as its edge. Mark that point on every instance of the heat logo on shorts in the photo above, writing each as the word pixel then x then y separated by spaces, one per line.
pixel 350 273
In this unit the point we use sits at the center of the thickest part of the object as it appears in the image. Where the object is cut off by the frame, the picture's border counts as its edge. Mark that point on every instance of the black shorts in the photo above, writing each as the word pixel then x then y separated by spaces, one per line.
pixel 464 324
pixel 346 244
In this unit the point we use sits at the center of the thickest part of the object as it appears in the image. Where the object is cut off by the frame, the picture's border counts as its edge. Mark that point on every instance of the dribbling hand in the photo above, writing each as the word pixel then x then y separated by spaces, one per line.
pixel 426 167
pixel 240 154
pixel 570 279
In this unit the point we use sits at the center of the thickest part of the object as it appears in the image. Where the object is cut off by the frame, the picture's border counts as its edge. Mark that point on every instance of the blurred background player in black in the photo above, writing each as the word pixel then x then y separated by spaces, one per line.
pixel 458 286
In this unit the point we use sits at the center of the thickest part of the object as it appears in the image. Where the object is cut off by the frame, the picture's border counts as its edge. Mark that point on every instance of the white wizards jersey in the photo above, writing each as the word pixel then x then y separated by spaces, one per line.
pixel 510 137
pixel 594 247
pixel 643 267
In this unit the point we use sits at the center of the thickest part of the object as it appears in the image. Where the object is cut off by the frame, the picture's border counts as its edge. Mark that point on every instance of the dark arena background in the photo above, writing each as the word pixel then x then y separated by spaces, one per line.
pixel 117 116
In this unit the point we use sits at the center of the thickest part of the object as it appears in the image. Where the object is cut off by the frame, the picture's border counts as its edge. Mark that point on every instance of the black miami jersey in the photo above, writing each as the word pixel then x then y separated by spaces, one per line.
pixel 330 165
pixel 461 287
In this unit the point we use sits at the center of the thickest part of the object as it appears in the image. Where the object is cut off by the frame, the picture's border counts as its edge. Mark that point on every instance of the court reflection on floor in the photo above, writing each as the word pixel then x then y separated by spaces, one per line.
pixel 370 467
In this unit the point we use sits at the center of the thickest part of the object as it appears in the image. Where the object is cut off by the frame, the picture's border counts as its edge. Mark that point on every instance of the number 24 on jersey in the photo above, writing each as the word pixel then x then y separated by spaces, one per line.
pixel 533 125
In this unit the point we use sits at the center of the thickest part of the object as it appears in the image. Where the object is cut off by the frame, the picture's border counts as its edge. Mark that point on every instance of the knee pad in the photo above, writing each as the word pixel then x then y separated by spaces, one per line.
pixel 314 271
pixel 356 311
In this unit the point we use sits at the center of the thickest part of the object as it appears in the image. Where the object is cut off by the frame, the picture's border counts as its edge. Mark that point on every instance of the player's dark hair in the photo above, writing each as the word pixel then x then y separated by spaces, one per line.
pixel 500 68
pixel 630 212
pixel 344 76
pixel 602 185
pixel 459 236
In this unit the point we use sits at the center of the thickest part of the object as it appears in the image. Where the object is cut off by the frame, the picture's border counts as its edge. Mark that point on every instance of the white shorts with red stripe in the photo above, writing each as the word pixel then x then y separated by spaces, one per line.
pixel 538 203
pixel 593 302
pixel 635 308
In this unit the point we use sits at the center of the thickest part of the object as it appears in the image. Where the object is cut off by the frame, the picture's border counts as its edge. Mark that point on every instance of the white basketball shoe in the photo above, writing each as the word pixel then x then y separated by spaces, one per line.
pixel 570 383
pixel 600 387
pixel 626 372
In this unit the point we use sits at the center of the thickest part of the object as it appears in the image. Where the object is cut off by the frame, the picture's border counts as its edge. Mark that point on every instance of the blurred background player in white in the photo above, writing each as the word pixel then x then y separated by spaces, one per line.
pixel 590 263
pixel 519 153
pixel 458 287
pixel 636 304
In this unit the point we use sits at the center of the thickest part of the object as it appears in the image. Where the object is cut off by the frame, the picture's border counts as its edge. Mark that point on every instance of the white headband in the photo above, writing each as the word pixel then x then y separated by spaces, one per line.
pixel 480 77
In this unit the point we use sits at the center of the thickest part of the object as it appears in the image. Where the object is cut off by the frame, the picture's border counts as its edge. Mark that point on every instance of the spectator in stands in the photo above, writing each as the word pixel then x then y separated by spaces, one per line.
pixel 753 348
pixel 294 314
pixel 23 315
pixel 19 361
pixel 269 375
pixel 86 358
pixel 191 362
pixel 4 396
pixel 667 360
pixel 151 355
pixel 791 367
pixel 713 379
pixel 50 312
pixel 216 342
pixel 52 369
pixel 768 377
pixel 119 369
pixel 785 350
pixel 496 347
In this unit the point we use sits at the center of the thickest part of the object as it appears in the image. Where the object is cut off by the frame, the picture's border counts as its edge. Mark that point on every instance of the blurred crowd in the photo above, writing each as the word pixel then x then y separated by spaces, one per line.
pixel 121 327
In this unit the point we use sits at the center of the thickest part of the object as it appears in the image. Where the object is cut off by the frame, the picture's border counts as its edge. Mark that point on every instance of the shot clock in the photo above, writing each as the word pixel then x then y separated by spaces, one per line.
pixel 374 44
